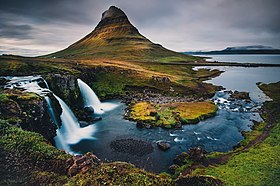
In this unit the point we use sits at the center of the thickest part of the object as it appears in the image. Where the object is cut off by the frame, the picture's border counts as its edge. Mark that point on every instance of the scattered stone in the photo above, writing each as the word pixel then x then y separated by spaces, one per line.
pixel 148 126
pixel 178 125
pixel 161 79
pixel 197 154
pixel 172 168
pixel 81 163
pixel 240 95
pixel 164 146
pixel 197 180
pixel 153 113
pixel 180 159
pixel 83 124
pixel 140 124
pixel 89 110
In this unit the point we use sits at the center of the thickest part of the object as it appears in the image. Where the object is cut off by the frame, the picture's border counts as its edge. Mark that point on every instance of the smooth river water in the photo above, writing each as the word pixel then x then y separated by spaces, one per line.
pixel 219 133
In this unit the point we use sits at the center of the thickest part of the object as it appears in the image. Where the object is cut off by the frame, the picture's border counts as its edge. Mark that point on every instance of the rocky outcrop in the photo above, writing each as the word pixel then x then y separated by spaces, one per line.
pixel 164 146
pixel 197 180
pixel 181 158
pixel 27 110
pixel 65 86
pixel 161 79
pixel 197 154
pixel 82 163
pixel 240 95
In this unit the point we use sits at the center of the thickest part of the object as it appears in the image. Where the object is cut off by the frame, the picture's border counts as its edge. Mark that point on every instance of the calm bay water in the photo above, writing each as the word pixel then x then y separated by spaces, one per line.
pixel 245 58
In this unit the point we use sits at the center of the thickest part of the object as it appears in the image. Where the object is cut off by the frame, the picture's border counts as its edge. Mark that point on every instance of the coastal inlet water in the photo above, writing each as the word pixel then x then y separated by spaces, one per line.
pixel 245 58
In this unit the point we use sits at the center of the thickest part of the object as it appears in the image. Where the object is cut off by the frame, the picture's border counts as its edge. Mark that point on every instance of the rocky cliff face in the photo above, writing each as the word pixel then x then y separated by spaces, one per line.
pixel 65 86
pixel 28 111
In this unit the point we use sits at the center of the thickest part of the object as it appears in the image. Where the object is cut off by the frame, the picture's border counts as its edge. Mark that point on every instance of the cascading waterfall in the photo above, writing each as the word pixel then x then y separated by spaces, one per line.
pixel 70 132
pixel 91 100
pixel 70 126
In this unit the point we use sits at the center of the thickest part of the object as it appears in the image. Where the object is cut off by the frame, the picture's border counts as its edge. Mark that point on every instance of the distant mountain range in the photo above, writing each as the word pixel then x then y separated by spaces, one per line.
pixel 255 49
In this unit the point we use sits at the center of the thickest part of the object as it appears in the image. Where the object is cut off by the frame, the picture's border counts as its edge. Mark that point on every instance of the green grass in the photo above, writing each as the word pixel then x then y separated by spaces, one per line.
pixel 260 165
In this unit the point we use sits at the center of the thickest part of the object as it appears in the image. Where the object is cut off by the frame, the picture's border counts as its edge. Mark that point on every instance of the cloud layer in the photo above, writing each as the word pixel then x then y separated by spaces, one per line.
pixel 37 27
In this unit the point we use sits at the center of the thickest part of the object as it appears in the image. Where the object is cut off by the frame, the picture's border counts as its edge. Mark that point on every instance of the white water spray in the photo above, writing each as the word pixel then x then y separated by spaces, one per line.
pixel 91 100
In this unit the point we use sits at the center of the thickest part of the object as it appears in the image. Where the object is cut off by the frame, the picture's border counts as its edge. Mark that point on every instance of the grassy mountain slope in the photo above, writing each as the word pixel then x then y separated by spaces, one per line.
pixel 116 38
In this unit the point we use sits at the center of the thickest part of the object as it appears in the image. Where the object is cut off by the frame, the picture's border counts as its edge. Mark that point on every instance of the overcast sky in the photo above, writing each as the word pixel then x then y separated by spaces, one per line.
pixel 36 27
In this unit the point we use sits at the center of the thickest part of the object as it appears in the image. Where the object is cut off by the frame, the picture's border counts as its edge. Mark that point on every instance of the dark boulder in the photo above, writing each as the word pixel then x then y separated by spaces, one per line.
pixel 148 126
pixel 164 146
pixel 197 154
pixel 153 113
pixel 84 124
pixel 140 124
pixel 240 95
pixel 181 158
pixel 172 168
pixel 89 110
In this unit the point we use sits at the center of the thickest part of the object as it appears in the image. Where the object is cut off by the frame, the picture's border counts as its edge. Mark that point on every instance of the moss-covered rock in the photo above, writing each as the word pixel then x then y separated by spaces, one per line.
pixel 27 110
pixel 171 115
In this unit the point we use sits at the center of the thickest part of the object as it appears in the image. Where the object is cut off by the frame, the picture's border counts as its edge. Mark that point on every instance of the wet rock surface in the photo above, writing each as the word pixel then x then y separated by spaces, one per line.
pixel 164 146
pixel 240 95
pixel 27 110
pixel 132 146
pixel 65 86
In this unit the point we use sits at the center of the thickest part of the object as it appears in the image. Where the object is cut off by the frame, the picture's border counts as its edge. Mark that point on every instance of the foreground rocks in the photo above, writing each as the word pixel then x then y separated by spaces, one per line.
pixel 27 110
pixel 197 154
pixel 197 180
pixel 164 146
pixel 82 163
pixel 240 95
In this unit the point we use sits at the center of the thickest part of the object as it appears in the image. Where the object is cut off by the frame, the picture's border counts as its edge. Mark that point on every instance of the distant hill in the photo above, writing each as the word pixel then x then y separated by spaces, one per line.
pixel 255 49
pixel 116 38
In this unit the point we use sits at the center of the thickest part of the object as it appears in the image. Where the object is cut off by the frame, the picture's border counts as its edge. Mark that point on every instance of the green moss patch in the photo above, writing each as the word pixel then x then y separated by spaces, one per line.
pixel 171 114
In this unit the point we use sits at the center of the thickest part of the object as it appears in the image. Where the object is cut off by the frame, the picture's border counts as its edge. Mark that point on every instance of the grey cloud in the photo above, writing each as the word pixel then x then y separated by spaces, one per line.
pixel 179 25
pixel 21 31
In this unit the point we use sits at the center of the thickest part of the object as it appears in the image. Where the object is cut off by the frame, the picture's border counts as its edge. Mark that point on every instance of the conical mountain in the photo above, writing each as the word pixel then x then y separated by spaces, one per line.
pixel 116 38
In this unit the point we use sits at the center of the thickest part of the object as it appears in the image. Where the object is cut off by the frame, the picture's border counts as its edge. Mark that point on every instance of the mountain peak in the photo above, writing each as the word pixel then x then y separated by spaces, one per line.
pixel 113 12
pixel 116 38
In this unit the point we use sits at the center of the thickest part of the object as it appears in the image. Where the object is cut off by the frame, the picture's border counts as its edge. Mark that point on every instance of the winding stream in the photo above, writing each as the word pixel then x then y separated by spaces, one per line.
pixel 219 133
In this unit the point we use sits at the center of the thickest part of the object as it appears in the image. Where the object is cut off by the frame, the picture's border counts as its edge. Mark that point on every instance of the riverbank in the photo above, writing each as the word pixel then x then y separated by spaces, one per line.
pixel 251 162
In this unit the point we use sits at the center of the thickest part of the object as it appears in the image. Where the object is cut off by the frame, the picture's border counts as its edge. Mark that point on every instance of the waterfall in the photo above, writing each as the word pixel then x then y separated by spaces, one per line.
pixel 91 100
pixel 70 127
pixel 51 110
pixel 69 132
